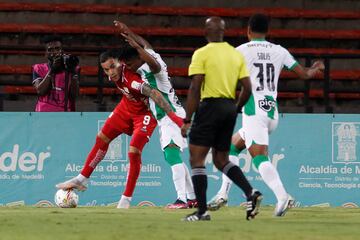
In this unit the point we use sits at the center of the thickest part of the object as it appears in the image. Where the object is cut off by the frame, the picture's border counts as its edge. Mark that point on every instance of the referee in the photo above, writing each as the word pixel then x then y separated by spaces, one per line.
pixel 216 70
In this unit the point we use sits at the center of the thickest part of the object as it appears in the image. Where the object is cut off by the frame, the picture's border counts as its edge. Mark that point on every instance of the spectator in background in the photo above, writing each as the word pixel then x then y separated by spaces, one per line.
pixel 57 80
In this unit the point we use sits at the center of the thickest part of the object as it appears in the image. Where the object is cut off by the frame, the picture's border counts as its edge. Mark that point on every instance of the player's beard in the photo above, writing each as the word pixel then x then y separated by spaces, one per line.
pixel 115 78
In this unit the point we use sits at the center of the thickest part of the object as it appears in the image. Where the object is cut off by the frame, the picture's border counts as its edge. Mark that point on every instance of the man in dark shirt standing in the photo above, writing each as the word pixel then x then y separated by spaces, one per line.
pixel 216 70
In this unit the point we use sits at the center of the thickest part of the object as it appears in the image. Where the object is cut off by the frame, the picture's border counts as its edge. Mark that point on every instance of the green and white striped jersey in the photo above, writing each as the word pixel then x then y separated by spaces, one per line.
pixel 265 61
pixel 161 82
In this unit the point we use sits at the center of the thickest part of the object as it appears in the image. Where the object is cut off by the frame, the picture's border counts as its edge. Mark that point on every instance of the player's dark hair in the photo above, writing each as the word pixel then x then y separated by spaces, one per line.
pixel 259 23
pixel 52 38
pixel 110 53
pixel 128 52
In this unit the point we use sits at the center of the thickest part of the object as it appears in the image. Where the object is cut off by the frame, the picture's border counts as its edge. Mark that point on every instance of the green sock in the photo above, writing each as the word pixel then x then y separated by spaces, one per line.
pixel 257 160
pixel 172 155
pixel 234 151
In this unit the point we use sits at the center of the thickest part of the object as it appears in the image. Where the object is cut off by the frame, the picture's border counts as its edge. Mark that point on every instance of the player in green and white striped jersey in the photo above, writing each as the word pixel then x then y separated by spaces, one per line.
pixel 152 69
pixel 265 61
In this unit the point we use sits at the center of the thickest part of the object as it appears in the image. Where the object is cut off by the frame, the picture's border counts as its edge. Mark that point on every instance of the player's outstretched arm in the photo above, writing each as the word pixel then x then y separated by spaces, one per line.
pixel 123 28
pixel 154 65
pixel 307 73
pixel 139 44
pixel 159 100
pixel 245 92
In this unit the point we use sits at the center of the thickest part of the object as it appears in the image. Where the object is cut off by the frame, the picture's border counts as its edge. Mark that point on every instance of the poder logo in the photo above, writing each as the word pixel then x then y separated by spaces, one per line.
pixel 26 161
pixel 345 136
pixel 245 161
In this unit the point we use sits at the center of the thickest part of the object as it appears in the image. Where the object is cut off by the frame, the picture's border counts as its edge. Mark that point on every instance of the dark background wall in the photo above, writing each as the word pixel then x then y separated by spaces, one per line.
pixel 97 42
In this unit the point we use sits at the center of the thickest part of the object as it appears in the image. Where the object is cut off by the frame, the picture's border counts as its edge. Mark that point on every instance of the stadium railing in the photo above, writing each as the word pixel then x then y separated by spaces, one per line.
pixel 173 31
pixel 183 72
pixel 183 11
pixel 102 88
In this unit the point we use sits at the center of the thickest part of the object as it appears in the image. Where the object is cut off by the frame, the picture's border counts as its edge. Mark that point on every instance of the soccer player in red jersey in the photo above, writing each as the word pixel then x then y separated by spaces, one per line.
pixel 132 117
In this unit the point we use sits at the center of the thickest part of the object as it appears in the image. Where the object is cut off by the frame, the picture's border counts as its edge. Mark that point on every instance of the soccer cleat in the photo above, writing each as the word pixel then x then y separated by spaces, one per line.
pixel 216 203
pixel 283 206
pixel 195 216
pixel 253 204
pixel 192 203
pixel 124 202
pixel 73 183
pixel 178 204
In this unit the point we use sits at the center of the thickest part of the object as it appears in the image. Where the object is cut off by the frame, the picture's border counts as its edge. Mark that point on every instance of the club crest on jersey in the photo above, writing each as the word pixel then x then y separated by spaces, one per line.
pixel 136 85
pixel 267 105
pixel 125 91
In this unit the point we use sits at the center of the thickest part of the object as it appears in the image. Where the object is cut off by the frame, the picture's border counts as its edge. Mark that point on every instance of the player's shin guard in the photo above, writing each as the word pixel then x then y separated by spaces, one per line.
pixel 96 154
pixel 237 176
pixel 133 174
pixel 188 184
pixel 270 176
pixel 178 174
pixel 199 179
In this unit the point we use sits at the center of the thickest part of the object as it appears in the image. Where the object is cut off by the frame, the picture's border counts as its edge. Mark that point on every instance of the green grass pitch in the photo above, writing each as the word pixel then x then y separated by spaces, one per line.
pixel 144 223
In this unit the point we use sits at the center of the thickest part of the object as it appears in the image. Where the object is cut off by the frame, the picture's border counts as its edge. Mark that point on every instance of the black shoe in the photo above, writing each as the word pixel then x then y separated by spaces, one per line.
pixel 253 204
pixel 195 216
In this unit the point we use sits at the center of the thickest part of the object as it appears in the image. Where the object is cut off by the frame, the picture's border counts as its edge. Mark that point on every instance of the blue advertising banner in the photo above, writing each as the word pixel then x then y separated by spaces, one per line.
pixel 317 156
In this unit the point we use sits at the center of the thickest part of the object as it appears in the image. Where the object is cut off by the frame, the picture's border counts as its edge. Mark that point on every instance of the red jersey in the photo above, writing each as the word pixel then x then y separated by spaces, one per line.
pixel 133 101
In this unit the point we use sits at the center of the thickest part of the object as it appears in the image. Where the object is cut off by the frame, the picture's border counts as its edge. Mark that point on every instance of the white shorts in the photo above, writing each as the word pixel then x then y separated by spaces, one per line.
pixel 257 129
pixel 169 131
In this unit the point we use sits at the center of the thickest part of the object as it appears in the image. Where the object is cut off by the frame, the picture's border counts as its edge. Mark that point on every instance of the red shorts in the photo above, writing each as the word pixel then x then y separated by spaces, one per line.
pixel 139 126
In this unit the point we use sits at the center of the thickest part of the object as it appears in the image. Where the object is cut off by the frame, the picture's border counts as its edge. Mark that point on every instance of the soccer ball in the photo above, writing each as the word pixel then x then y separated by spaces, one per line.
pixel 66 198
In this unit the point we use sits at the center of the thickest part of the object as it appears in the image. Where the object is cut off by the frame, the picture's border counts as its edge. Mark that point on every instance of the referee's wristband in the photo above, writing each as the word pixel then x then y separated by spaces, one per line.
pixel 186 121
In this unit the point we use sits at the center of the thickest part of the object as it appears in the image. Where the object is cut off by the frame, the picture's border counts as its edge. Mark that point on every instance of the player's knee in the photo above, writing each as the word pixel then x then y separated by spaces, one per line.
pixel 134 150
pixel 237 142
pixel 101 142
pixel 103 137
pixel 220 163
pixel 196 162
pixel 220 156
pixel 138 142
pixel 134 155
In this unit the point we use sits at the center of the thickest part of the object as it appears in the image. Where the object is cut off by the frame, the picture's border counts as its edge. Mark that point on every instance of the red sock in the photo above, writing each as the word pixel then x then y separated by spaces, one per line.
pixel 95 156
pixel 133 174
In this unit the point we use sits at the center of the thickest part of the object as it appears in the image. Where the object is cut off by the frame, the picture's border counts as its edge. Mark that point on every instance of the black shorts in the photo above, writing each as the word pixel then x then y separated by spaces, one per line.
pixel 214 123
